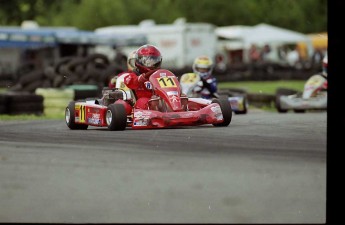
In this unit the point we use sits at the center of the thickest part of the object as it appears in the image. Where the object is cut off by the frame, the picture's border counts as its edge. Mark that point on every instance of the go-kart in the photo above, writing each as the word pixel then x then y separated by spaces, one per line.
pixel 189 81
pixel 313 97
pixel 168 107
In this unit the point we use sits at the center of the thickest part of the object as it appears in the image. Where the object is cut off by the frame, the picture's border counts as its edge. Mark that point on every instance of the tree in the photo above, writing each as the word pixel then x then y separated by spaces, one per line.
pixel 306 16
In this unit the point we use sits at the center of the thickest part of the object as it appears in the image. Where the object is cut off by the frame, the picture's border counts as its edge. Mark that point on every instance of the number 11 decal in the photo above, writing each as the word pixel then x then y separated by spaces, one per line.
pixel 166 82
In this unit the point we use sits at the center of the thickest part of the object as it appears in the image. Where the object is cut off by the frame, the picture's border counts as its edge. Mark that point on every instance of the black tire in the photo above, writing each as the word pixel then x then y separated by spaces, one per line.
pixel 70 119
pixel 16 87
pixel 3 103
pixel 76 62
pixel 226 110
pixel 97 58
pixel 299 110
pixel 116 117
pixel 278 105
pixel 32 86
pixel 28 78
pixel 25 68
pixel 23 97
pixel 24 103
pixel 285 91
pixel 61 62
pixel 26 108
pixel 58 81
pixel 49 72
pixel 71 79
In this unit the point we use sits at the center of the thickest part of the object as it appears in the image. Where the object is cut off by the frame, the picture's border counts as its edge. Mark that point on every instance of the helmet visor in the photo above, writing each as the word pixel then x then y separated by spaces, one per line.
pixel 203 69
pixel 152 62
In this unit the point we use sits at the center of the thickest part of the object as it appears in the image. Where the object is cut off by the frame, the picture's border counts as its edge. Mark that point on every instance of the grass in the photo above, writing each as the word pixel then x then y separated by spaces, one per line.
pixel 266 87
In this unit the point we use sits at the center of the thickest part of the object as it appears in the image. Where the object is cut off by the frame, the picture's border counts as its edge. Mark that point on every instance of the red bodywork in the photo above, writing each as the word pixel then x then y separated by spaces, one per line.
pixel 166 108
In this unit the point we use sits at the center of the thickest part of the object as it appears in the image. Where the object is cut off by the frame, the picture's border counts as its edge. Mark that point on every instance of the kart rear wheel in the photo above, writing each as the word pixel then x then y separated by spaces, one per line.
pixel 226 110
pixel 116 117
pixel 299 110
pixel 70 118
pixel 278 106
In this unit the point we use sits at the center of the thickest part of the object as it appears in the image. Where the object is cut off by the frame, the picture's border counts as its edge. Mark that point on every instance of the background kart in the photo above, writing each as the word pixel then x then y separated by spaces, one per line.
pixel 237 100
pixel 313 97
pixel 168 107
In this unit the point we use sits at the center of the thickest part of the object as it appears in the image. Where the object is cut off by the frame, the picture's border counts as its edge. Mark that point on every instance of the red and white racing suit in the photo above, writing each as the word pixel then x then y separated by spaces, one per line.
pixel 142 88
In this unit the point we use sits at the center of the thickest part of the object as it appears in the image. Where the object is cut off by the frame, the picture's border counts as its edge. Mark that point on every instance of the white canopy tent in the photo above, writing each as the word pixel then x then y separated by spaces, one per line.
pixel 232 32
pixel 231 37
pixel 267 34
pixel 260 35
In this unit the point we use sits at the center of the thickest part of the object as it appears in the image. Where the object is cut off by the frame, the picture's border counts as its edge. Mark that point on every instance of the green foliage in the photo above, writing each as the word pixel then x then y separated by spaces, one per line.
pixel 306 16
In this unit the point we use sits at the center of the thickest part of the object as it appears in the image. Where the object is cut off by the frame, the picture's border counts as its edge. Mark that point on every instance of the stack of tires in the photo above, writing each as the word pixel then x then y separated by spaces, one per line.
pixel 15 103
pixel 260 99
pixel 95 69
pixel 71 78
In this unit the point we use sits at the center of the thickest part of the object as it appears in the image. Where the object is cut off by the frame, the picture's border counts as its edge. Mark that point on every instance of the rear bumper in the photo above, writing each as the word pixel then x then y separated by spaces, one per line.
pixel 292 102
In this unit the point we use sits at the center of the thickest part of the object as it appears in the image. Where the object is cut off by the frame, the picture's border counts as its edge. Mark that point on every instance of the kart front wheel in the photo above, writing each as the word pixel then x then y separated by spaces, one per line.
pixel 70 118
pixel 299 110
pixel 116 117
pixel 245 107
pixel 226 110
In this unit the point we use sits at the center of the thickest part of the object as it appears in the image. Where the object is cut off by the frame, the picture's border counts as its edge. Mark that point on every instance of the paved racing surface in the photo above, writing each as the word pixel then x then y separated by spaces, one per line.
pixel 263 168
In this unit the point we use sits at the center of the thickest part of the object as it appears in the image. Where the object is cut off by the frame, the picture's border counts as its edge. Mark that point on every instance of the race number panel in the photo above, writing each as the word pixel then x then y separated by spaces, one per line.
pixel 166 82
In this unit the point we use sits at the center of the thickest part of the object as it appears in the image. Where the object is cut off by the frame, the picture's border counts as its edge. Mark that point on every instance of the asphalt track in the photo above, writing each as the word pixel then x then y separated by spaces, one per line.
pixel 264 168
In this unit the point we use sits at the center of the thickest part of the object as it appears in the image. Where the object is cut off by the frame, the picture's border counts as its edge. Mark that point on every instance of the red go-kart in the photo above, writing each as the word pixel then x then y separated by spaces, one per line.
pixel 168 107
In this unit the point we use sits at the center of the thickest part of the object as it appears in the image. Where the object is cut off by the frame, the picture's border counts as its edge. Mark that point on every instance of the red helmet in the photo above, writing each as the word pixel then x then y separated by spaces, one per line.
pixel 148 58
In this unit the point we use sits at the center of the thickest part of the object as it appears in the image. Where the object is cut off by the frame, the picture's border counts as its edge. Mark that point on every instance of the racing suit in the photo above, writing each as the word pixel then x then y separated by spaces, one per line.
pixel 207 88
pixel 141 87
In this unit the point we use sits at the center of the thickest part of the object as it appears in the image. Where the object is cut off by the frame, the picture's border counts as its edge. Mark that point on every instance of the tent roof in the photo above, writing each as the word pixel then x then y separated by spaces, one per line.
pixel 268 34
pixel 261 34
pixel 232 32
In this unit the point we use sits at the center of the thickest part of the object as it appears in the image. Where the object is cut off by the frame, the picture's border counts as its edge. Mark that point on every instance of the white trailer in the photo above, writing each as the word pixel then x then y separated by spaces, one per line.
pixel 180 43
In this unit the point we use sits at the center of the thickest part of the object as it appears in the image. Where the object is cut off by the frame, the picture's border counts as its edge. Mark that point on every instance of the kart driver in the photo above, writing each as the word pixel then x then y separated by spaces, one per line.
pixel 324 66
pixel 147 60
pixel 203 67
pixel 324 72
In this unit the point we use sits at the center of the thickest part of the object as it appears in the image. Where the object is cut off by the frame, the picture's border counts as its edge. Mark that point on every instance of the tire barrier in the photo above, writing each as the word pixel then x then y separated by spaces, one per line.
pixel 55 100
pixel 3 103
pixel 261 100
pixel 94 69
pixel 286 91
pixel 15 103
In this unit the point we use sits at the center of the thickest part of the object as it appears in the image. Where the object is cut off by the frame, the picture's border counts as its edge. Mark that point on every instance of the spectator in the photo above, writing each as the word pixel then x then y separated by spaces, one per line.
pixel 254 54
pixel 293 57
pixel 265 52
